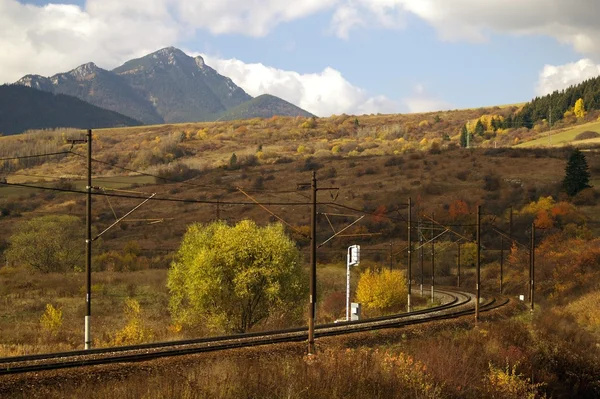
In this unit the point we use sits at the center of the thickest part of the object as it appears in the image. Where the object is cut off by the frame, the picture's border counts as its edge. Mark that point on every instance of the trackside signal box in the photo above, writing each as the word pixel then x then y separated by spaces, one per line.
pixel 355 311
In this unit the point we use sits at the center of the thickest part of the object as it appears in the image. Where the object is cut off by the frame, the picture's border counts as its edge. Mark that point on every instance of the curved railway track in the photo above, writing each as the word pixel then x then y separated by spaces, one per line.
pixel 459 304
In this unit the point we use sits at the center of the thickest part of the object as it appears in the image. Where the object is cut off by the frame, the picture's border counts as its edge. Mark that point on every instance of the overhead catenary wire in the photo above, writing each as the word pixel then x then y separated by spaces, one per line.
pixel 186 182
pixel 191 201
pixel 36 156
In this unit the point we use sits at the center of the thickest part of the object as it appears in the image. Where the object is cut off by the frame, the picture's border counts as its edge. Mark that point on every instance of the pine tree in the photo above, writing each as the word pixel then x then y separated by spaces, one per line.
pixel 463 137
pixel 577 176
pixel 479 129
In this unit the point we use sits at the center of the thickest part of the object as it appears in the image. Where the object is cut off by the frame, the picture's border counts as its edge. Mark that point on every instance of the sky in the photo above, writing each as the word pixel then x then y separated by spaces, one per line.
pixel 326 56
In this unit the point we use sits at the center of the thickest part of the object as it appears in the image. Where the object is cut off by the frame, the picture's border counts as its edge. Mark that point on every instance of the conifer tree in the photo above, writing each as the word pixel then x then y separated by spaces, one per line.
pixel 463 136
pixel 577 176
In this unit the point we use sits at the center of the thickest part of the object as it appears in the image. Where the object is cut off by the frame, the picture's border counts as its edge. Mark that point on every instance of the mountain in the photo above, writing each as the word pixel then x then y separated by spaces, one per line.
pixel 99 87
pixel 23 108
pixel 181 88
pixel 164 86
pixel 264 106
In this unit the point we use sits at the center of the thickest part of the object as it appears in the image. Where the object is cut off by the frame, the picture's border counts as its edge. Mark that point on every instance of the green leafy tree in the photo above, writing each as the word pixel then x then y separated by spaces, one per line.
pixel 229 278
pixel 53 243
pixel 577 176
pixel 382 292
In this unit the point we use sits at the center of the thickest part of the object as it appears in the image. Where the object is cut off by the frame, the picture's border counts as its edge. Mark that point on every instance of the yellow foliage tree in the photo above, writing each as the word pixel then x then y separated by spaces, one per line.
pixel 579 109
pixel 134 332
pixel 382 292
pixel 52 319
pixel 543 204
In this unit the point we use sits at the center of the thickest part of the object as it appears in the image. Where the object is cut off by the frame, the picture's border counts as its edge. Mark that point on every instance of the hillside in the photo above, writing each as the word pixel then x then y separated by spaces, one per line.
pixel 23 108
pixel 559 105
pixel 164 86
pixel 264 106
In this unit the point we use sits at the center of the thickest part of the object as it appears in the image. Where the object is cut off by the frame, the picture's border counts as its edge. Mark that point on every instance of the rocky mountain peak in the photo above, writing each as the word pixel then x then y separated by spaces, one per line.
pixel 84 71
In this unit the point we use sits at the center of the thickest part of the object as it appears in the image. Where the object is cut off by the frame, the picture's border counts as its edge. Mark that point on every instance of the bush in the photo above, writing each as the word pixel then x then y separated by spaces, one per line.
pixel 134 332
pixel 491 182
pixel 588 134
pixel 176 172
pixel 382 292
pixel 52 320
pixel 310 164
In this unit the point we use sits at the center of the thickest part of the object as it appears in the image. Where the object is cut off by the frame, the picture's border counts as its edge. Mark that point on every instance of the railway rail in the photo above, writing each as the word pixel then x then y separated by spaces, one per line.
pixel 458 304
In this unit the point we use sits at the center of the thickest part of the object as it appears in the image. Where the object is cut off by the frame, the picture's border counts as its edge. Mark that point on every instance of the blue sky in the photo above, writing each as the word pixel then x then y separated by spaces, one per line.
pixel 327 56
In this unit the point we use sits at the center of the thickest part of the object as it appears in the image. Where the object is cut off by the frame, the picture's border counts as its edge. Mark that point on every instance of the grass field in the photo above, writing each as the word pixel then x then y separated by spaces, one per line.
pixel 558 138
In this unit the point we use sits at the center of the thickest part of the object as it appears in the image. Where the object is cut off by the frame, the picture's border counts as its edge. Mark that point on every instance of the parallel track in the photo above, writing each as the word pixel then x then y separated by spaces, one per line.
pixel 460 304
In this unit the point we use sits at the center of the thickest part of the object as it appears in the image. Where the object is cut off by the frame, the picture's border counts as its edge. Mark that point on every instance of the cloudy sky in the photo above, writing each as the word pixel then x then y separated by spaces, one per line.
pixel 327 56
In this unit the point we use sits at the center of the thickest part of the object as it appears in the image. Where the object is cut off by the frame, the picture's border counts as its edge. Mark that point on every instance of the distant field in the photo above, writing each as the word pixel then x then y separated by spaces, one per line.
pixel 564 136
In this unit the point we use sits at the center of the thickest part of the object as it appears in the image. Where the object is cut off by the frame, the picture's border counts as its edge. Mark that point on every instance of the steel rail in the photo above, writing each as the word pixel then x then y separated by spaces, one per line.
pixel 194 341
pixel 158 350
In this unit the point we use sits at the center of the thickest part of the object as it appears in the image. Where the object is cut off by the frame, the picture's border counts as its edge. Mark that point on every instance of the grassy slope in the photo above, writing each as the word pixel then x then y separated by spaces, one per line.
pixel 563 137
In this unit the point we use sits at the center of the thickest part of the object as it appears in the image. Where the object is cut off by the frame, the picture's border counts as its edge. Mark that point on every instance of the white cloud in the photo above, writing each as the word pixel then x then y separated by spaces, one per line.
pixel 323 94
pixel 54 38
pixel 572 22
pixel 562 76
pixel 423 101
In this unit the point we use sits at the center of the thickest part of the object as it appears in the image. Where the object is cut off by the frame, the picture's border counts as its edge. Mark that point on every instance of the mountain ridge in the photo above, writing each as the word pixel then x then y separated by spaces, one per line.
pixel 24 108
pixel 166 86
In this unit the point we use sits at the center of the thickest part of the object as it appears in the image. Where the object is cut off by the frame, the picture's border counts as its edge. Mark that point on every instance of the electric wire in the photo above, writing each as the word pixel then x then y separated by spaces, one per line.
pixel 191 201
pixel 35 156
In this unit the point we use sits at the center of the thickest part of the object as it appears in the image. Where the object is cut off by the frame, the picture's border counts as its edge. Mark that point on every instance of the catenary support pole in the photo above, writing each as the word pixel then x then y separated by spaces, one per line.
pixel 313 266
pixel 409 273
pixel 458 265
pixel 432 258
pixel 501 264
pixel 421 250
pixel 478 274
pixel 88 245
pixel 532 266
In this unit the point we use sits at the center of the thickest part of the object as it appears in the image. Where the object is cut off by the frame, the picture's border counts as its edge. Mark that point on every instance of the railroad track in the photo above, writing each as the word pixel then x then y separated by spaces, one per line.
pixel 459 304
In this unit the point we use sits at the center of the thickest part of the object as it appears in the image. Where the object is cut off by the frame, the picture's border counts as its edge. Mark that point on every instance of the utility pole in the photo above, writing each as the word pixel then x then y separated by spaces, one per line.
pixel 432 257
pixel 501 263
pixel 313 266
pixel 409 277
pixel 510 223
pixel 88 244
pixel 458 265
pixel 421 254
pixel 391 255
pixel 532 266
pixel 477 287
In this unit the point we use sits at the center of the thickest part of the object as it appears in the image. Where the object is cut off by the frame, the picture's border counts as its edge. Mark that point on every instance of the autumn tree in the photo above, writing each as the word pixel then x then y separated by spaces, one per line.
pixel 577 176
pixel 229 278
pixel 579 108
pixel 382 292
pixel 53 243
